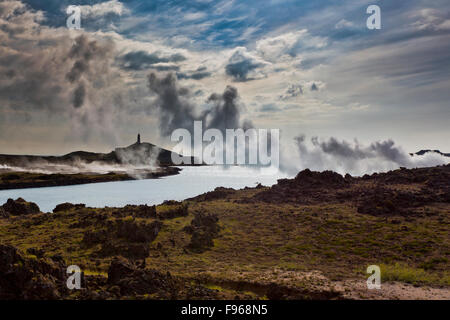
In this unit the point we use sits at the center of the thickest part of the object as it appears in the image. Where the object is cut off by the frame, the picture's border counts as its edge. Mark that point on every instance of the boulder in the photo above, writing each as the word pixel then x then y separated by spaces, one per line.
pixel 218 193
pixel 39 253
pixel 383 201
pixel 91 238
pixel 24 278
pixel 3 213
pixel 137 211
pixel 68 206
pixel 133 280
pixel 201 240
pixel 204 228
pixel 174 211
pixel 137 232
pixel 124 237
pixel 20 207
pixel 119 268
pixel 308 187
pixel 206 221
pixel 318 179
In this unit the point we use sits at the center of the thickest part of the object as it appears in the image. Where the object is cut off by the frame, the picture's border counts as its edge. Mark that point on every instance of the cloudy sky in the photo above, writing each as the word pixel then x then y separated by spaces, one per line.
pixel 309 68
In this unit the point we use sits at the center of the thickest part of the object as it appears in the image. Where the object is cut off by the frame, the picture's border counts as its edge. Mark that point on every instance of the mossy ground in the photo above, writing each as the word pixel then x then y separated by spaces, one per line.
pixel 271 242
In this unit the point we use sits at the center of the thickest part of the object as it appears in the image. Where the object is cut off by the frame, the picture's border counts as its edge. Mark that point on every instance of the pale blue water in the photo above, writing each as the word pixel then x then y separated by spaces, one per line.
pixel 192 181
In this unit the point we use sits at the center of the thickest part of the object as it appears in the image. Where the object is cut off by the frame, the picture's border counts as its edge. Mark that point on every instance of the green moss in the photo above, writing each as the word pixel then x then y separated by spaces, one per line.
pixel 95 273
pixel 214 287
pixel 404 273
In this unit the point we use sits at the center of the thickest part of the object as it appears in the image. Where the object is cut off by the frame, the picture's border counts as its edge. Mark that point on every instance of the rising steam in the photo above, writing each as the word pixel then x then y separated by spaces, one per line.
pixel 176 110
pixel 353 158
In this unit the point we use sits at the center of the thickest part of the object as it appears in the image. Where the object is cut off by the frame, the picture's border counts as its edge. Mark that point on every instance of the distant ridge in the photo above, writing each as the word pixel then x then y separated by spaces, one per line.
pixel 138 153
pixel 422 152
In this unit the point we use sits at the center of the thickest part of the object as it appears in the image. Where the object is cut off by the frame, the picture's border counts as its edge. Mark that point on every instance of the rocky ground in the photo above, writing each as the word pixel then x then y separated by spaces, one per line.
pixel 311 237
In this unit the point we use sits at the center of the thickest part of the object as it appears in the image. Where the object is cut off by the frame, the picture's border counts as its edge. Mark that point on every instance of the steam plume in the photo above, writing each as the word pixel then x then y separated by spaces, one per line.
pixel 353 158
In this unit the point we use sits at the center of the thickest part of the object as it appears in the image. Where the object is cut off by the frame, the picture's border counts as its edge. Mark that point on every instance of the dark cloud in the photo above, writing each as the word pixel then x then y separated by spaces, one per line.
pixel 77 70
pixel 35 80
pixel 388 151
pixel 199 74
pixel 194 75
pixel 177 110
pixel 10 74
pixel 385 150
pixel 199 93
pixel 31 80
pixel 53 74
pixel 86 53
pixel 225 112
pixel 140 60
pixel 269 108
pixel 241 66
pixel 338 148
pixel 294 90
pixel 164 67
pixel 79 95
pixel 177 57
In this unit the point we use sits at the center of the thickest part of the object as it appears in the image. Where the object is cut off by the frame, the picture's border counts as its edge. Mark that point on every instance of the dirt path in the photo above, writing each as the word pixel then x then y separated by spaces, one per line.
pixel 316 286
pixel 357 289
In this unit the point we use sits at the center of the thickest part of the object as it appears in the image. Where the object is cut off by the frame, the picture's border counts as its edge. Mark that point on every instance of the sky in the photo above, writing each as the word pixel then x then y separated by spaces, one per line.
pixel 309 68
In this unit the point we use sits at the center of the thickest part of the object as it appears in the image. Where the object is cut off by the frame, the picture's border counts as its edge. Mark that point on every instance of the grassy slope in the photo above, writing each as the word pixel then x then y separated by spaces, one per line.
pixel 331 238
pixel 260 238
pixel 264 242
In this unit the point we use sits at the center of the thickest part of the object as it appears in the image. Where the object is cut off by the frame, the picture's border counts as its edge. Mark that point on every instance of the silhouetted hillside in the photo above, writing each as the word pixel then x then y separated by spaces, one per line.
pixel 422 152
pixel 139 153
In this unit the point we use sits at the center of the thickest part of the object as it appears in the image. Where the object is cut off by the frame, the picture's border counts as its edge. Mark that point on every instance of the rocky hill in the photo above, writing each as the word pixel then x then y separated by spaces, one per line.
pixel 136 154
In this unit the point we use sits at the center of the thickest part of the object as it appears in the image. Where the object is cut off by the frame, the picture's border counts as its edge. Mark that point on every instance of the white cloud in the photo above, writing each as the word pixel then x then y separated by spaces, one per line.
pixel 244 65
pixel 193 16
pixel 290 43
pixel 430 19
pixel 104 8
pixel 344 24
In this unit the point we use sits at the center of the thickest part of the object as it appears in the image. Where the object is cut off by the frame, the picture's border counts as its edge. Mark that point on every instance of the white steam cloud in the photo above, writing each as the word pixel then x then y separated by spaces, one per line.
pixel 353 158
pixel 81 167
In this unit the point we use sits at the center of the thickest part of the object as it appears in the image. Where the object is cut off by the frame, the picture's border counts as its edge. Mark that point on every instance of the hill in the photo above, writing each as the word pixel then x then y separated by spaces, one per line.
pixel 139 153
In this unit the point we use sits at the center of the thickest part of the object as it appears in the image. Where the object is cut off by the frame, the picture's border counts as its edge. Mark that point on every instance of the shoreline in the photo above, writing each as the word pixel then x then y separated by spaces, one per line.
pixel 12 180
